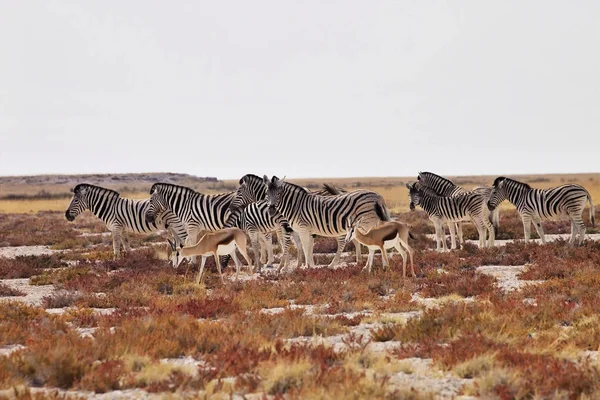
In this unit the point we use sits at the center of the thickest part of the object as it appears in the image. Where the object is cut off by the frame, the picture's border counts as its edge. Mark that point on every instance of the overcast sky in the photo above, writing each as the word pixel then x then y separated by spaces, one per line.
pixel 299 88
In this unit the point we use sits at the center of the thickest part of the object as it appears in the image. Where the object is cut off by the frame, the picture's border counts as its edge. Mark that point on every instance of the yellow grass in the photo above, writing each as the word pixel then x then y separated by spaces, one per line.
pixel 392 188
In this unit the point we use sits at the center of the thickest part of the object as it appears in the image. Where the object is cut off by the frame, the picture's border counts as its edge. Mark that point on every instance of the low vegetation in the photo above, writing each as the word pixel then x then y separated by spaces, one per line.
pixel 307 333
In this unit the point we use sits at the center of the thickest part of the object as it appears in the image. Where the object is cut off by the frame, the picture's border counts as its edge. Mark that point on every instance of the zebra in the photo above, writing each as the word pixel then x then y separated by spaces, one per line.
pixel 257 222
pixel 309 214
pixel 252 188
pixel 121 215
pixel 540 204
pixel 446 188
pixel 198 212
pixel 469 205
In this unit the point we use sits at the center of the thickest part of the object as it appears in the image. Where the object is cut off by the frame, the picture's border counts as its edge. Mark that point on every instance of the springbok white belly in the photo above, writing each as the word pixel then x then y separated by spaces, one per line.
pixel 226 249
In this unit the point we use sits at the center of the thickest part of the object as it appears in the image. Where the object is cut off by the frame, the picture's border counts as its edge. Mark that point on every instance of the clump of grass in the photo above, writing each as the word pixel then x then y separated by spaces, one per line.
pixel 8 291
pixel 60 299
pixel 55 277
pixel 27 266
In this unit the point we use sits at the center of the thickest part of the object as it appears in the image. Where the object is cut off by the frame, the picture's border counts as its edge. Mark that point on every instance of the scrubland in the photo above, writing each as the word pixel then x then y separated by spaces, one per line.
pixel 136 325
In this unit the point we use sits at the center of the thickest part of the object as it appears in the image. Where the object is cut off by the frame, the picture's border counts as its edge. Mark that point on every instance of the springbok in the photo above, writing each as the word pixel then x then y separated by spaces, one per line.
pixel 385 236
pixel 216 244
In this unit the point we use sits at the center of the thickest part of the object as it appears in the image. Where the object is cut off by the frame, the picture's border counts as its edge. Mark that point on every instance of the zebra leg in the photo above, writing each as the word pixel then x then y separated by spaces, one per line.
pixel 491 232
pixel 306 239
pixel 358 250
pixel 263 248
pixel 299 248
pixel 341 242
pixel 125 242
pixel 459 230
pixel 451 227
pixel 269 245
pixel 116 243
pixel 438 236
pixel 255 247
pixel 284 243
pixel 527 227
pixel 311 248
pixel 540 230
pixel 574 232
pixel 579 226
pixel 481 230
pixel 235 259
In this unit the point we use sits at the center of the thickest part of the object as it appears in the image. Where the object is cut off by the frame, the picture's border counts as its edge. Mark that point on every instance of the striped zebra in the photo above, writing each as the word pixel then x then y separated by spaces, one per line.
pixel 252 188
pixel 198 212
pixel 310 214
pixel 257 222
pixel 121 215
pixel 446 188
pixel 461 207
pixel 540 204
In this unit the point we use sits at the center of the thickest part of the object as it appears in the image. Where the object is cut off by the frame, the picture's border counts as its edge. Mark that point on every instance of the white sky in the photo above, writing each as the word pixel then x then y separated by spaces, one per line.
pixel 299 88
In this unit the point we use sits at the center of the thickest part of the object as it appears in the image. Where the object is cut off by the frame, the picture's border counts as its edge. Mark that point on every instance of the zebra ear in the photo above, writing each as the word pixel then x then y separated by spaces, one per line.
pixel 408 186
pixel 266 179
pixel 283 179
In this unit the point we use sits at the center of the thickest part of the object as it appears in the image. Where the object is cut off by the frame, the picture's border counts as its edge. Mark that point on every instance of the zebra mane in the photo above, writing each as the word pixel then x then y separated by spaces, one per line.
pixel 293 185
pixel 431 174
pixel 503 178
pixel 165 184
pixel 250 177
pixel 89 185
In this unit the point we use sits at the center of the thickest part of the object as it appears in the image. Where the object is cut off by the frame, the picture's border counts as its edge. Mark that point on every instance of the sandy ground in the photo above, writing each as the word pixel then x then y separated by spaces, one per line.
pixel 418 374
pixel 12 252
pixel 33 294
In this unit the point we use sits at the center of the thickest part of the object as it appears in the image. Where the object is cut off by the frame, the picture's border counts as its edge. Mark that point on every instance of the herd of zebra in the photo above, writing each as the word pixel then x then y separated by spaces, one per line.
pixel 262 207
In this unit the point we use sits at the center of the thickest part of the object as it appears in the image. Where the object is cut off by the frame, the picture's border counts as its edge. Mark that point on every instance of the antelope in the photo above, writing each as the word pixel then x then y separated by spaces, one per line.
pixel 385 236
pixel 216 244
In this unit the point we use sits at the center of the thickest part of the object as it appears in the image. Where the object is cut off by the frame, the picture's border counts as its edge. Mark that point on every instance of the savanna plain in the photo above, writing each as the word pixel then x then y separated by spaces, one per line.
pixel 518 320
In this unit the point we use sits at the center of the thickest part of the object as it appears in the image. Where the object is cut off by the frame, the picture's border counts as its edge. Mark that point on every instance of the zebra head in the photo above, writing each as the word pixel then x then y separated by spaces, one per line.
pixel 243 196
pixel 79 202
pixel 414 194
pixel 274 190
pixel 157 203
pixel 497 194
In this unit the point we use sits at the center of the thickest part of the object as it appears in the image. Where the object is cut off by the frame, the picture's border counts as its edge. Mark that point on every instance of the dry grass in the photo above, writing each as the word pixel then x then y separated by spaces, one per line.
pixel 392 189
pixel 522 344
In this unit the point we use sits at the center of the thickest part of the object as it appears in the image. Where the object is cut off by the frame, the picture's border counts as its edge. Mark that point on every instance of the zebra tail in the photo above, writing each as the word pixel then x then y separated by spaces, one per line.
pixel 332 189
pixel 382 211
pixel 592 211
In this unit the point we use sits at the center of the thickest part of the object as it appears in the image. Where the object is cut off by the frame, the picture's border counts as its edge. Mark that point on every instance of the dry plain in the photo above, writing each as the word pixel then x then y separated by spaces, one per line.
pixel 514 321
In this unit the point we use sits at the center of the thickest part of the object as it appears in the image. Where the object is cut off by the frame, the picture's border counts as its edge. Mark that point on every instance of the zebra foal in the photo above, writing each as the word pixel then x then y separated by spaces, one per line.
pixel 121 215
pixel 446 188
pixel 535 205
pixel 461 207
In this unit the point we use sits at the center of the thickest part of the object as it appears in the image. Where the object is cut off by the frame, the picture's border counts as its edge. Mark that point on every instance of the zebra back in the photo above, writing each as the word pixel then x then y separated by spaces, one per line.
pixel 327 216
pixel 439 184
pixel 195 210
